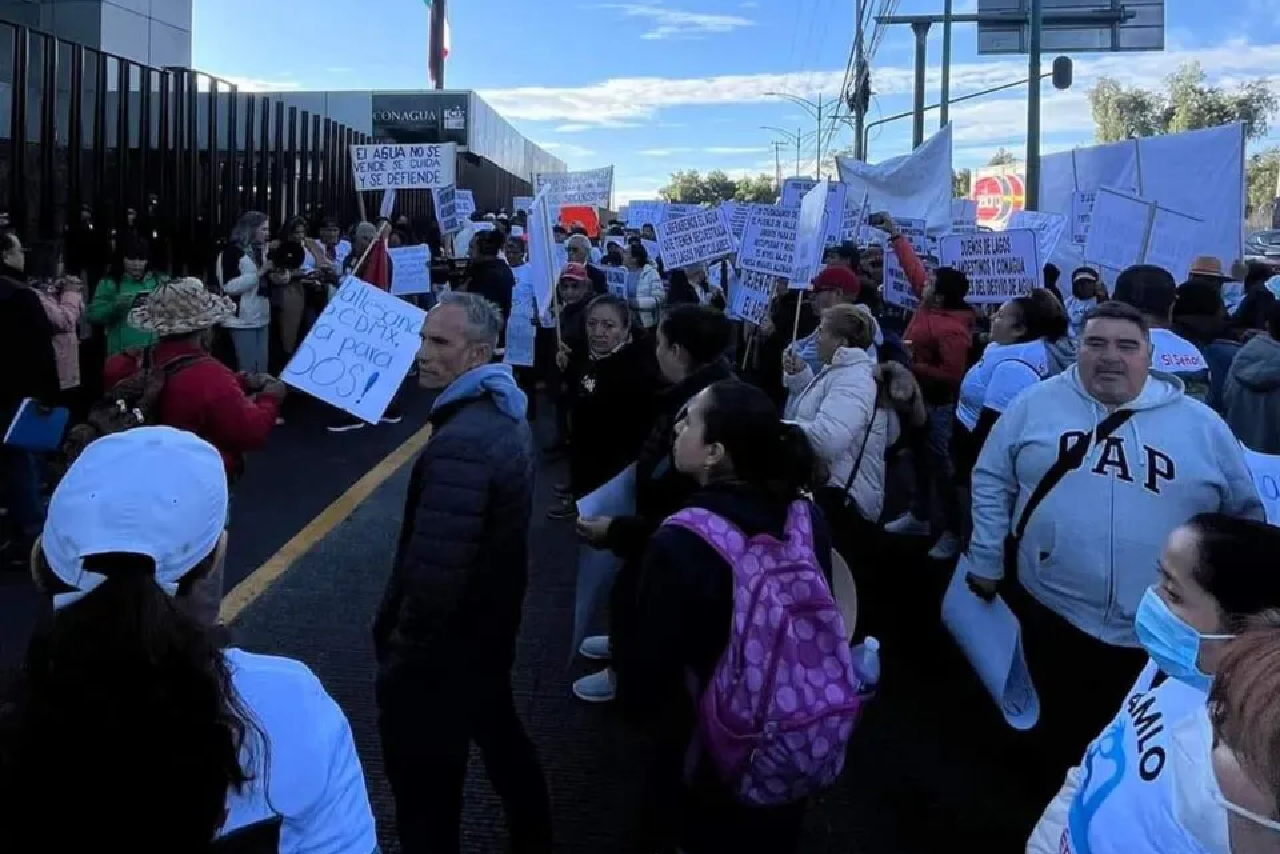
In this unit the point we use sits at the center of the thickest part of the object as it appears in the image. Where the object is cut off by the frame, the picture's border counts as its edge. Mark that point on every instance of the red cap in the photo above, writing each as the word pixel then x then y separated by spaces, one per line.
pixel 575 271
pixel 837 279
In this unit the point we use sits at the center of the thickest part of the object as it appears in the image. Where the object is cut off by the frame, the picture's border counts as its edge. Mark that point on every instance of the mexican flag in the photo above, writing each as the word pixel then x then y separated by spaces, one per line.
pixel 429 33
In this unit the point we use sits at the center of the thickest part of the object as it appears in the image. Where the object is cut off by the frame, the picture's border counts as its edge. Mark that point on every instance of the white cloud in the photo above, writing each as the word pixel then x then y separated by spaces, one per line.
pixel 566 149
pixel 640 99
pixel 249 84
pixel 674 23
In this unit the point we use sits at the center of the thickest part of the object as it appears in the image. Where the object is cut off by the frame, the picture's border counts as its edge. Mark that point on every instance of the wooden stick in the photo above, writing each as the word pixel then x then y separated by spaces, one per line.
pixel 372 243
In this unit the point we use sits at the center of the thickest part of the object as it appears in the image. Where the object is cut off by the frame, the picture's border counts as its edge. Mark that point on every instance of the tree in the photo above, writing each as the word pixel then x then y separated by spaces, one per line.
pixel 961 183
pixel 1002 157
pixel 1188 103
pixel 691 187
pixel 1263 170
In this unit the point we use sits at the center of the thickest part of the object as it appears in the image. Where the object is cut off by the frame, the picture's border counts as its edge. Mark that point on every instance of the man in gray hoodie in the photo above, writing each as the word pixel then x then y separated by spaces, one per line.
pixel 1252 389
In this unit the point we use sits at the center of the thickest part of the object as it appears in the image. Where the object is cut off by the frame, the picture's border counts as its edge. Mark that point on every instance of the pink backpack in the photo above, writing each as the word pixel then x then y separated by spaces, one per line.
pixel 783 700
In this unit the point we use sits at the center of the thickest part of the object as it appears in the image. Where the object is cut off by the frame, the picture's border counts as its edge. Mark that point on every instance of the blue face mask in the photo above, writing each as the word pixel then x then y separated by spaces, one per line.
pixel 1172 644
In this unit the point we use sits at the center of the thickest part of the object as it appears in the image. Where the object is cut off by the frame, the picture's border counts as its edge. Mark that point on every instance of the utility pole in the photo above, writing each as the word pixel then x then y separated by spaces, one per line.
pixel 944 96
pixel 777 166
pixel 817 111
pixel 859 80
pixel 798 137
pixel 1031 200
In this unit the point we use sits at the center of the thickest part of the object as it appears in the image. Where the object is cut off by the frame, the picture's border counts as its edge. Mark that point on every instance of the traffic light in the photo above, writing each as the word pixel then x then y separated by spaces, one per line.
pixel 1062 72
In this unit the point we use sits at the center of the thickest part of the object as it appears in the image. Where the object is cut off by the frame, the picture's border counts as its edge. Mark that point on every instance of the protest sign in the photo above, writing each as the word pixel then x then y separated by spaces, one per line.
pixel 810 229
pixel 1265 469
pixel 445 200
pixel 964 216
pixel 518 342
pixel 651 248
pixel 521 203
pixel 736 213
pixel 640 214
pixel 749 297
pixel 616 280
pixel 693 239
pixel 466 204
pixel 795 189
pixel 1000 265
pixel 897 290
pixel 1173 241
pixel 1048 227
pixel 1117 230
pixel 358 352
pixel 677 210
pixel 916 231
pixel 410 269
pixel 769 240
pixel 545 272
pixel 403 167
pixel 566 189
pixel 1081 215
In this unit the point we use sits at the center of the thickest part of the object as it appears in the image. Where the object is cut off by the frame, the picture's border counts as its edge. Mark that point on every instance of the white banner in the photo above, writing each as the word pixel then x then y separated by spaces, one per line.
pixel 403 167
pixel 810 229
pixel 545 273
pixel 358 352
pixel 1000 265
pixel 564 189
pixel 915 185
pixel 769 240
pixel 693 239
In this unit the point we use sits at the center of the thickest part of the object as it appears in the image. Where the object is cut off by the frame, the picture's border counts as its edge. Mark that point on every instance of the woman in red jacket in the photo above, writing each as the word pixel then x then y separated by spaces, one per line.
pixel 938 336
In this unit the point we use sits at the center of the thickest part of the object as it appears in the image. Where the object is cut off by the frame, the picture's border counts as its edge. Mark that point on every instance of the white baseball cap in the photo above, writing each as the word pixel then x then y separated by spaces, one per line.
pixel 153 491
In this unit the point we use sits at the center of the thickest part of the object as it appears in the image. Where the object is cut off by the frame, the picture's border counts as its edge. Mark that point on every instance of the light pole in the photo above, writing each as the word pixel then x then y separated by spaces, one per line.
pixel 817 111
pixel 796 138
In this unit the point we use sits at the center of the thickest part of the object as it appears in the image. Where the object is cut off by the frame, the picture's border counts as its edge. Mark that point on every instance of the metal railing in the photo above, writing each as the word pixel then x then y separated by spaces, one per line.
pixel 185 152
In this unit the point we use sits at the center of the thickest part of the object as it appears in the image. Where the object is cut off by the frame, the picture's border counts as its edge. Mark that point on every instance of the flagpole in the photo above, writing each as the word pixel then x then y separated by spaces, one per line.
pixel 435 52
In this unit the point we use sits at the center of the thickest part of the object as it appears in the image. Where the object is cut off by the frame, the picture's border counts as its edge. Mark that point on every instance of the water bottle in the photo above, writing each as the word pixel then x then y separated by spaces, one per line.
pixel 866 663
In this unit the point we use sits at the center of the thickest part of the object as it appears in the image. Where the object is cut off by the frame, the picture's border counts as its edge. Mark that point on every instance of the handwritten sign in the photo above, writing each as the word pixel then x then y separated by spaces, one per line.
pixel 749 297
pixel 1082 215
pixel 897 289
pixel 693 239
pixel 769 239
pixel 964 216
pixel 675 210
pixel 403 167
pixel 1000 265
pixel 564 189
pixel 445 200
pixel 410 269
pixel 466 204
pixel 736 213
pixel 358 352
pixel 646 212
pixel 616 280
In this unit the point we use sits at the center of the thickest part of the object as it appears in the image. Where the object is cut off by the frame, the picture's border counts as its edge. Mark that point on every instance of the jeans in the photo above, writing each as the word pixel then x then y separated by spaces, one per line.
pixel 931 461
pixel 252 349
pixel 428 717
pixel 21 495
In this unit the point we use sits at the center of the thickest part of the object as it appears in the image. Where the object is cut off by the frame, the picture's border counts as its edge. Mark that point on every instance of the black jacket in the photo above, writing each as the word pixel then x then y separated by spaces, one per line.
pixel 612 406
pixel 457 587
pixel 492 279
pixel 26 348
pixel 599 281
pixel 660 489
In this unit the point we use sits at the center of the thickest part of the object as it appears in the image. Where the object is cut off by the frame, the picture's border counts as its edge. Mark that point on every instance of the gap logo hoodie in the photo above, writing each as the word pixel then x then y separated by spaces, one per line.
pixel 1091 547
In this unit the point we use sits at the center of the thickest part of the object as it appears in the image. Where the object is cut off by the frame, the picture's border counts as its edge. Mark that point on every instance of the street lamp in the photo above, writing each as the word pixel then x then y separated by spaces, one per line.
pixel 796 138
pixel 817 111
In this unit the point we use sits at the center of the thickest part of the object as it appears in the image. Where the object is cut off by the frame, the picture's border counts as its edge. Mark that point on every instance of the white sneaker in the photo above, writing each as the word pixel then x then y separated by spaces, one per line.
pixel 907 525
pixel 596 688
pixel 595 648
pixel 946 548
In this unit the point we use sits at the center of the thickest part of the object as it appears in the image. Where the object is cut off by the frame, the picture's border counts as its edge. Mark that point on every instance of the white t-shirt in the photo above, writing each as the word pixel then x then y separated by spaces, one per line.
pixel 1174 354
pixel 1003 371
pixel 313 780
pixel 1125 801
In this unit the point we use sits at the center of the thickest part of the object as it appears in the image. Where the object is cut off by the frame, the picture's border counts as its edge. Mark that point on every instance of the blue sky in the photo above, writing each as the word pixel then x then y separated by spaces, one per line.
pixel 652 87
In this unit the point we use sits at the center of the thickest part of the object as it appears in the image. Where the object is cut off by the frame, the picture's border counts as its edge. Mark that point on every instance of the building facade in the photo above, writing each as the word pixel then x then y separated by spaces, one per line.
pixel 150 32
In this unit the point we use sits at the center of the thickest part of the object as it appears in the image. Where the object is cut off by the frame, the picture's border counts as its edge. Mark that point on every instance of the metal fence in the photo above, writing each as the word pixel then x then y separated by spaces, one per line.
pixel 180 152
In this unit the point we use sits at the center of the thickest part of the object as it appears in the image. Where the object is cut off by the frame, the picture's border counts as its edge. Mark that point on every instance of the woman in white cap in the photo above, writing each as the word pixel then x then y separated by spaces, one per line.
pixel 131 730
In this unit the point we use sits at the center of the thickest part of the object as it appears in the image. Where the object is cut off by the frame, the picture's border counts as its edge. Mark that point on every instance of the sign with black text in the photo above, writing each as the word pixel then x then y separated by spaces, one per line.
pixel 403 167
pixel 1000 265
pixel 693 239
pixel 769 240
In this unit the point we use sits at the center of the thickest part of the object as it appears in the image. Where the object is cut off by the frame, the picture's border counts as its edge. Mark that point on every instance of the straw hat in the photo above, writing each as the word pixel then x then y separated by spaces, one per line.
pixel 181 307
pixel 1207 265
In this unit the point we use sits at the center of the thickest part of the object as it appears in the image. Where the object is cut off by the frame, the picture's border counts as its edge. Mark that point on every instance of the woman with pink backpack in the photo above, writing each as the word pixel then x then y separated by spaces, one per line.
pixel 740 663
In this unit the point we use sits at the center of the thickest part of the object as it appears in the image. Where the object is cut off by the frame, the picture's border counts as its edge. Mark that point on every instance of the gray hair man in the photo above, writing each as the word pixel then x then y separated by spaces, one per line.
pixel 578 250
pixel 452 607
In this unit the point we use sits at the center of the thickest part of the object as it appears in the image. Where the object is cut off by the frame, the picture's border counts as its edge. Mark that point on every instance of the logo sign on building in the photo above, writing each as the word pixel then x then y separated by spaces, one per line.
pixel 430 116
pixel 403 167
pixel 693 239
pixel 593 188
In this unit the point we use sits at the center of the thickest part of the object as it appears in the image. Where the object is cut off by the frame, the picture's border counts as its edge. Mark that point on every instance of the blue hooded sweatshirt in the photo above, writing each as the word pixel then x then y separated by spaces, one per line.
pixel 495 380
pixel 1091 547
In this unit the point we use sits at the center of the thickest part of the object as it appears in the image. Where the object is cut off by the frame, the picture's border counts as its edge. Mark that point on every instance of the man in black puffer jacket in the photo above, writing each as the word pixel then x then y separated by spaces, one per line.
pixel 445 634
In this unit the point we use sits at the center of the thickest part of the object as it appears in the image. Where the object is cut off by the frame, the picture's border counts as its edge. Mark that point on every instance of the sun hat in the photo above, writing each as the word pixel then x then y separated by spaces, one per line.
pixel 1207 266
pixel 181 307
pixel 153 491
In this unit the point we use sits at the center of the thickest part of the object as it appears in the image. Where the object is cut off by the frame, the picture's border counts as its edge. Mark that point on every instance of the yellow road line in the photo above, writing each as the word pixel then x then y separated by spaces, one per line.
pixel 258 581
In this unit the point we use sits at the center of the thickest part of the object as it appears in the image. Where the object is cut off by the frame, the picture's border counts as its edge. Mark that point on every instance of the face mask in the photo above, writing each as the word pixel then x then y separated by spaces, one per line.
pixel 1171 643
pixel 1199 806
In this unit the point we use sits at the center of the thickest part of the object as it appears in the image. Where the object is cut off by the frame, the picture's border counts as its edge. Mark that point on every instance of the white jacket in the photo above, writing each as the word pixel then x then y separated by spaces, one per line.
pixel 833 409
pixel 254 311
pixel 649 297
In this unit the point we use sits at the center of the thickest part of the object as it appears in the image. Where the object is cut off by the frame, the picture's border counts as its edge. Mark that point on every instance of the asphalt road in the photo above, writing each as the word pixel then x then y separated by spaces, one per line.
pixel 924 774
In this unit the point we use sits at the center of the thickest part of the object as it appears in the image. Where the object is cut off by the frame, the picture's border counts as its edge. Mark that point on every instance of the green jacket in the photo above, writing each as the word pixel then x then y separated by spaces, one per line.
pixel 110 308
